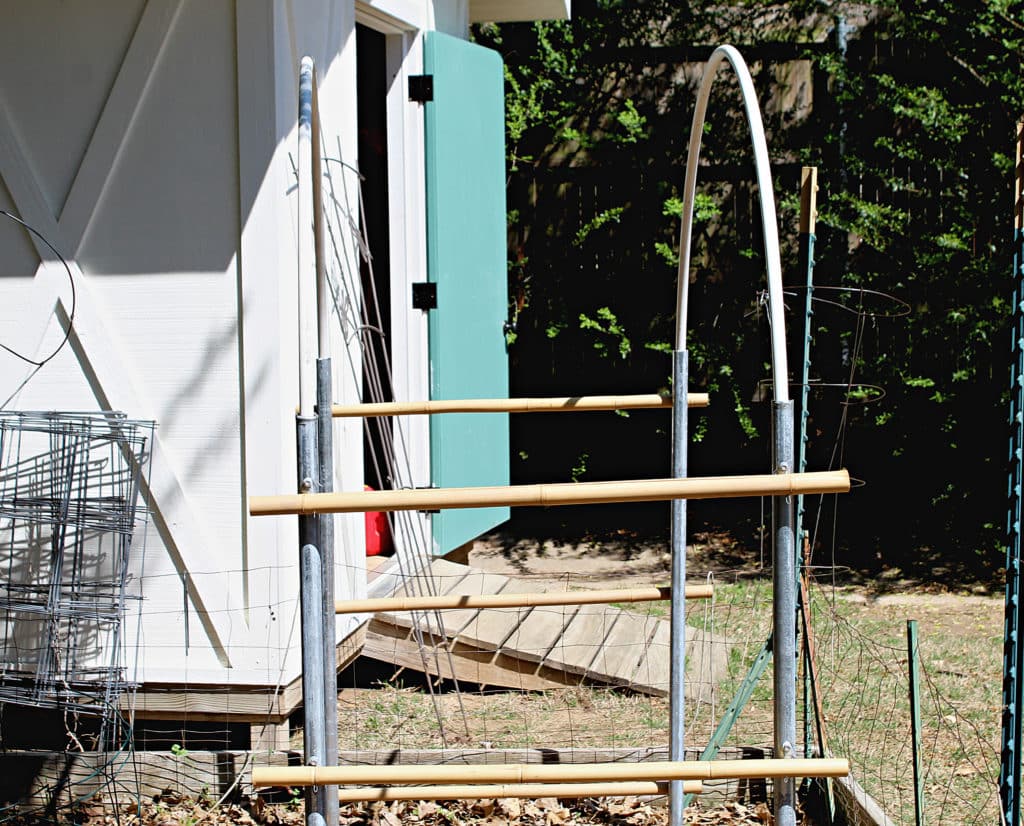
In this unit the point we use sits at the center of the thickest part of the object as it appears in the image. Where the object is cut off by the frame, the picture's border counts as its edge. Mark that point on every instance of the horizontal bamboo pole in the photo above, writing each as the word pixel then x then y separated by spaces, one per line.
pixel 548 772
pixel 563 493
pixel 523 405
pixel 534 790
pixel 441 603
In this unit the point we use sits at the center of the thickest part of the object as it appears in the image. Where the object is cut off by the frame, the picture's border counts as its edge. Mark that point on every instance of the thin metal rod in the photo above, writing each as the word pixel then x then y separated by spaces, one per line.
pixel 521 405
pixel 805 243
pixel 532 790
pixel 1013 627
pixel 450 601
pixel 677 642
pixel 915 720
pixel 549 772
pixel 808 216
pixel 813 688
pixel 739 701
pixel 784 617
pixel 572 493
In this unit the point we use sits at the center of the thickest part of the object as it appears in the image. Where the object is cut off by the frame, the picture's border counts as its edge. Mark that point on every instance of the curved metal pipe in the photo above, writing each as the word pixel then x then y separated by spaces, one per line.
pixel 780 370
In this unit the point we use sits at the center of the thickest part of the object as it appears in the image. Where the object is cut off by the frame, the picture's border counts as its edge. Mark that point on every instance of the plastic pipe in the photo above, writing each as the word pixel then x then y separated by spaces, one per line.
pixel 769 221
pixel 307 275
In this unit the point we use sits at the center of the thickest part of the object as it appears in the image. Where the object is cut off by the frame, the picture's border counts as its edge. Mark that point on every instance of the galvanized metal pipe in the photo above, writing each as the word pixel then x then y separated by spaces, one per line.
pixel 325 461
pixel 314 733
pixel 784 613
pixel 308 476
pixel 677 644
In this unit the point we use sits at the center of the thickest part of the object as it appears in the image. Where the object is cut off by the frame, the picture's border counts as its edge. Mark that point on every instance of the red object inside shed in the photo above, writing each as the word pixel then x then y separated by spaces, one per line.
pixel 378 532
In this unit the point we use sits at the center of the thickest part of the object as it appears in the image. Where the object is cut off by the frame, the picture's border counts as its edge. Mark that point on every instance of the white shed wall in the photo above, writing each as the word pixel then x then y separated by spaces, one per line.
pixel 153 143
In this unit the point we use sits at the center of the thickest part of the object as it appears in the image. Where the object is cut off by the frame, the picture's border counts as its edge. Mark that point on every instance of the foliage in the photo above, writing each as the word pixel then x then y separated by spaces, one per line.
pixel 927 99
pixel 911 128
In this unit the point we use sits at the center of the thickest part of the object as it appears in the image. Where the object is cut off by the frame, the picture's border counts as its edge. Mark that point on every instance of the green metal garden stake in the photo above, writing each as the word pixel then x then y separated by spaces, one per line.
pixel 915 721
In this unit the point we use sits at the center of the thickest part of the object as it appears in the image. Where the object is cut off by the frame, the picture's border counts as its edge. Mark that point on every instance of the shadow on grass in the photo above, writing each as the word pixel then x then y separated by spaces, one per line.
pixel 735 538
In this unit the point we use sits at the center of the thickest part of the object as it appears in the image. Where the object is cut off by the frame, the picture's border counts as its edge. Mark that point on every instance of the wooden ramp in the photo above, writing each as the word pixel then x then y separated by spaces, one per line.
pixel 532 648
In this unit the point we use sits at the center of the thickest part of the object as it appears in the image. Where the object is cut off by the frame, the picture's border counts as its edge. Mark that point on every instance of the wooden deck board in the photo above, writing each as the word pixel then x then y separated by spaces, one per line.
pixel 598 643
pixel 653 671
pixel 582 639
pixel 467 664
pixel 538 631
pixel 624 647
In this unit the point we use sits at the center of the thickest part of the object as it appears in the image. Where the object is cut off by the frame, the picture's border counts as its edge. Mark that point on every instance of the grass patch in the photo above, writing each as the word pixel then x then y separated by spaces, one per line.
pixel 862 672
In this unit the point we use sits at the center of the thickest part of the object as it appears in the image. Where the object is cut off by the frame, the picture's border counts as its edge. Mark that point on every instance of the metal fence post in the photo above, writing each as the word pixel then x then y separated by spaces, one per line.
pixel 784 613
pixel 915 721
pixel 314 747
pixel 677 679
pixel 325 448
pixel 1013 640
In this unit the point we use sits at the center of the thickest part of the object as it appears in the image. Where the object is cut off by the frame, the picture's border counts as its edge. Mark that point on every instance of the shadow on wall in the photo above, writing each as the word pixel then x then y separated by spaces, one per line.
pixel 129 126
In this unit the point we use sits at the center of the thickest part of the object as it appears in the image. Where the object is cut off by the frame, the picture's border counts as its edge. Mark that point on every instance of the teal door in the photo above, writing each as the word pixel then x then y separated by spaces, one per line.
pixel 465 145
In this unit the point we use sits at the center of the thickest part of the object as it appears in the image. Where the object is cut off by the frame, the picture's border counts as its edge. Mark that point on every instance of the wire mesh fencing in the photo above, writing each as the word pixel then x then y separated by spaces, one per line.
pixel 70 509
pixel 490 686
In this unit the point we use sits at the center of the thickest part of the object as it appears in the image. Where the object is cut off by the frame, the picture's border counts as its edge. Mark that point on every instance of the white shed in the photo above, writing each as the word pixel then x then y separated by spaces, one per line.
pixel 152 142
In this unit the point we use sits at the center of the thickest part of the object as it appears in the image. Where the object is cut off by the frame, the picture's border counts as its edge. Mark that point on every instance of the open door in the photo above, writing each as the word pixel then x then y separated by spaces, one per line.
pixel 466 259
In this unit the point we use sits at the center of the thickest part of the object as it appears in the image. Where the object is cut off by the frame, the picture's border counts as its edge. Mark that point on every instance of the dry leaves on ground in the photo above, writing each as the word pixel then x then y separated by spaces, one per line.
pixel 174 810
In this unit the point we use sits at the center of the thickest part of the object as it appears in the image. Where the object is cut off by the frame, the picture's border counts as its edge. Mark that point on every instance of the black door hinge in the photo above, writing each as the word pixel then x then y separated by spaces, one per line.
pixel 424 295
pixel 421 88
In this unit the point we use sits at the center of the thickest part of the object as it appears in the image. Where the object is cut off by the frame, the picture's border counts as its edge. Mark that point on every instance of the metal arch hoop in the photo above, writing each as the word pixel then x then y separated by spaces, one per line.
pixel 769 222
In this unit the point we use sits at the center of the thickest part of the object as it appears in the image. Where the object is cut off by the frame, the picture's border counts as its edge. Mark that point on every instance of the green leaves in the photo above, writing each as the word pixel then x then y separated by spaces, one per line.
pixel 912 132
pixel 602 218
pixel 611 335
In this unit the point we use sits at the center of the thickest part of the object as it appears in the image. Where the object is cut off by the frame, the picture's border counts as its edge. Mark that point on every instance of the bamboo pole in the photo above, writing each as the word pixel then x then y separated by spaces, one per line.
pixel 447 601
pixel 550 772
pixel 571 493
pixel 522 405
pixel 534 790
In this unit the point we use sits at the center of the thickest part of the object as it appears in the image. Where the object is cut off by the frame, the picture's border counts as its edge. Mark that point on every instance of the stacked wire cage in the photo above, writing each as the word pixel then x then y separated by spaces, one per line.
pixel 69 510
